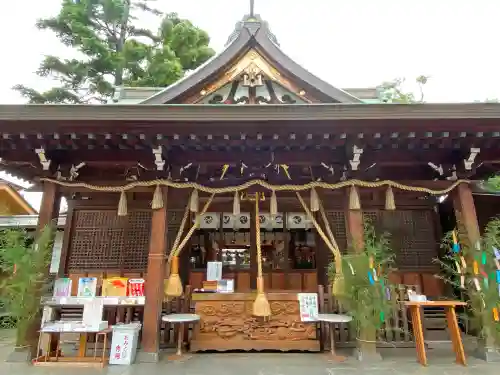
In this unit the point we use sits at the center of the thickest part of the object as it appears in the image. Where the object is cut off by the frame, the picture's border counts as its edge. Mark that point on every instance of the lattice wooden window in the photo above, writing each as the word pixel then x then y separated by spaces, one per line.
pixel 102 240
pixel 412 236
pixel 337 223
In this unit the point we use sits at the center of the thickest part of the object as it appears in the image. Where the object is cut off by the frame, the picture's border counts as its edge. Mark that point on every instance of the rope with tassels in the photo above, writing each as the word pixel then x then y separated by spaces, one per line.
pixel 261 305
pixel 262 183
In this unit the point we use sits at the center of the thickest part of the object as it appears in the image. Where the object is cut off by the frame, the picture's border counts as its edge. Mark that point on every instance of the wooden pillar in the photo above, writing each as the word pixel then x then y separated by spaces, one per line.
pixel 366 347
pixel 354 227
pixel 49 208
pixel 465 213
pixel 154 284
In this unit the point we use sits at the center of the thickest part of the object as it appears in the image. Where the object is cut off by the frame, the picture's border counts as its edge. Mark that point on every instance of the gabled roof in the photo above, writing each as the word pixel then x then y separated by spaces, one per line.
pixel 251 32
pixel 21 203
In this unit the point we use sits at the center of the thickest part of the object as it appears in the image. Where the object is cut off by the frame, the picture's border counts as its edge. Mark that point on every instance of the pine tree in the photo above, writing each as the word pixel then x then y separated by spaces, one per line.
pixel 112 51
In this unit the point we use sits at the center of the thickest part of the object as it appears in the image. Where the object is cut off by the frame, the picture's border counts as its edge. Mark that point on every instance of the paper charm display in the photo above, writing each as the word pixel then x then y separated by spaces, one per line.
pixel 87 286
pixel 62 287
pixel 115 287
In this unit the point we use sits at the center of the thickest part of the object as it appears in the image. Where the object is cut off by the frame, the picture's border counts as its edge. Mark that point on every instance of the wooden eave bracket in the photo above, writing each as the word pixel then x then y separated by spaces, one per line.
pixel 354 162
pixel 158 154
pixel 472 157
pixel 43 159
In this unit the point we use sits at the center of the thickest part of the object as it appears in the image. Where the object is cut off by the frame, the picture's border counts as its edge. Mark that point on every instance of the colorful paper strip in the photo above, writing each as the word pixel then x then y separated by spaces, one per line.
pixel 476 268
pixel 497 252
pixel 370 278
pixel 477 285
pixel 495 314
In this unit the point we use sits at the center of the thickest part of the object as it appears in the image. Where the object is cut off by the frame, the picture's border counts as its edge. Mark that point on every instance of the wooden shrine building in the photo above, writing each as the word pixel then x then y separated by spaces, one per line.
pixel 250 113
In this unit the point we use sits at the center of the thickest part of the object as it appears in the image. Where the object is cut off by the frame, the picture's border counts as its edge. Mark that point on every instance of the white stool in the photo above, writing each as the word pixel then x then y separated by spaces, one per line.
pixel 180 319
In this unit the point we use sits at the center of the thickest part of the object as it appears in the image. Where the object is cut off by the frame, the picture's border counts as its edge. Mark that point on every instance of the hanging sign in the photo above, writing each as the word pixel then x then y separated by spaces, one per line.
pixel 308 303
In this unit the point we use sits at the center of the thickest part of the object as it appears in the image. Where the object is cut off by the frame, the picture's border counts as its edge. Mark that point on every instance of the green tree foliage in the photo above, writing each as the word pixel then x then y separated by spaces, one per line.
pixel 393 91
pixel 473 272
pixel 111 50
pixel 368 294
pixel 24 264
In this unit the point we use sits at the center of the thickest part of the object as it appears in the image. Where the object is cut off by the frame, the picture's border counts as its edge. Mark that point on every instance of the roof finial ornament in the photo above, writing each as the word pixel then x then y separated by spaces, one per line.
pixel 252 8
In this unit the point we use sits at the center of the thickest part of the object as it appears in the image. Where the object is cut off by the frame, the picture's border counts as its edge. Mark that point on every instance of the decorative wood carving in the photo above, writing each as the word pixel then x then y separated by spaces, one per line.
pixel 229 325
pixel 252 71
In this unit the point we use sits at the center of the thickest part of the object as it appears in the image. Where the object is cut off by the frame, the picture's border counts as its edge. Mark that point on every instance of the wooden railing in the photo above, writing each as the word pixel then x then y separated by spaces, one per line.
pixel 396 332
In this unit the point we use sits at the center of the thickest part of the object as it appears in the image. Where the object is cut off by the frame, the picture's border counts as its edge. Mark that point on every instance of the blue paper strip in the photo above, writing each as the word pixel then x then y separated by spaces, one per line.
pixel 456 248
pixel 498 276
pixel 370 278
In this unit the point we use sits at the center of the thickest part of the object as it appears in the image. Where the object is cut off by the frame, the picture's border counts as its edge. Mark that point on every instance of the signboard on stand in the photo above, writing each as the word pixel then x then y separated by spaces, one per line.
pixel 308 303
pixel 214 271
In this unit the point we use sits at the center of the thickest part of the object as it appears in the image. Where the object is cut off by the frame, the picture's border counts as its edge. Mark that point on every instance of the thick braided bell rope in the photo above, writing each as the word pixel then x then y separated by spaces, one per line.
pixel 257 238
pixel 248 184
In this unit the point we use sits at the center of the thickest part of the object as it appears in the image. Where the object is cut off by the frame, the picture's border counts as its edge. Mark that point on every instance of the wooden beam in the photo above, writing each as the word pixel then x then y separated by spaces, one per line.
pixel 155 281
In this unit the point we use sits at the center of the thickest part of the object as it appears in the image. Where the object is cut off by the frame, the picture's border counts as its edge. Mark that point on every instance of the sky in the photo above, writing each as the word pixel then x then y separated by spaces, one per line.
pixel 348 43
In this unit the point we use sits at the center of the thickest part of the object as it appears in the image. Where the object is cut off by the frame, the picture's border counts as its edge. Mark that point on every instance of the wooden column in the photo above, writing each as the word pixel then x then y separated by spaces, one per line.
pixel 354 227
pixel 154 284
pixel 465 213
pixel 367 347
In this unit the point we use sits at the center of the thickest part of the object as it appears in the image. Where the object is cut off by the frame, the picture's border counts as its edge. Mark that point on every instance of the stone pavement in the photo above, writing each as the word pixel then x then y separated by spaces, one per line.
pixel 402 362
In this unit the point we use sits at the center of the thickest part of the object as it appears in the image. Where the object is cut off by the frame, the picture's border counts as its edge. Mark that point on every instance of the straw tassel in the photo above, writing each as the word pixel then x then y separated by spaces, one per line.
pixel 314 200
pixel 390 204
pixel 236 203
pixel 122 205
pixel 261 305
pixel 354 203
pixel 273 205
pixel 193 202
pixel 174 283
pixel 157 202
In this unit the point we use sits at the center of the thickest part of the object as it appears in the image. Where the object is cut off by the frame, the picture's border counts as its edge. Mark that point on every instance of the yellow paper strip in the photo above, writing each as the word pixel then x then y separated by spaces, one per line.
pixel 371 262
pixel 459 270
pixel 495 314
pixel 476 268
pixel 454 234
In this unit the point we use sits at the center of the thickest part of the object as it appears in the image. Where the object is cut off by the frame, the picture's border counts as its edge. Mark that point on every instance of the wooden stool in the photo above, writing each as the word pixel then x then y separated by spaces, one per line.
pixel 331 320
pixel 104 333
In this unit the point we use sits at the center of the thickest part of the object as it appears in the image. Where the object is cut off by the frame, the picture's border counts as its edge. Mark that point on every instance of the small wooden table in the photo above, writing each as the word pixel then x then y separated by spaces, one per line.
pixel 57 357
pixel 180 319
pixel 415 308
pixel 331 320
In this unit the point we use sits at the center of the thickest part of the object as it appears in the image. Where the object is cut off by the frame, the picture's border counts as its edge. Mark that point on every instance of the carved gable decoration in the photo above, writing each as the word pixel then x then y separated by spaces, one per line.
pixel 252 80
pixel 245 72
